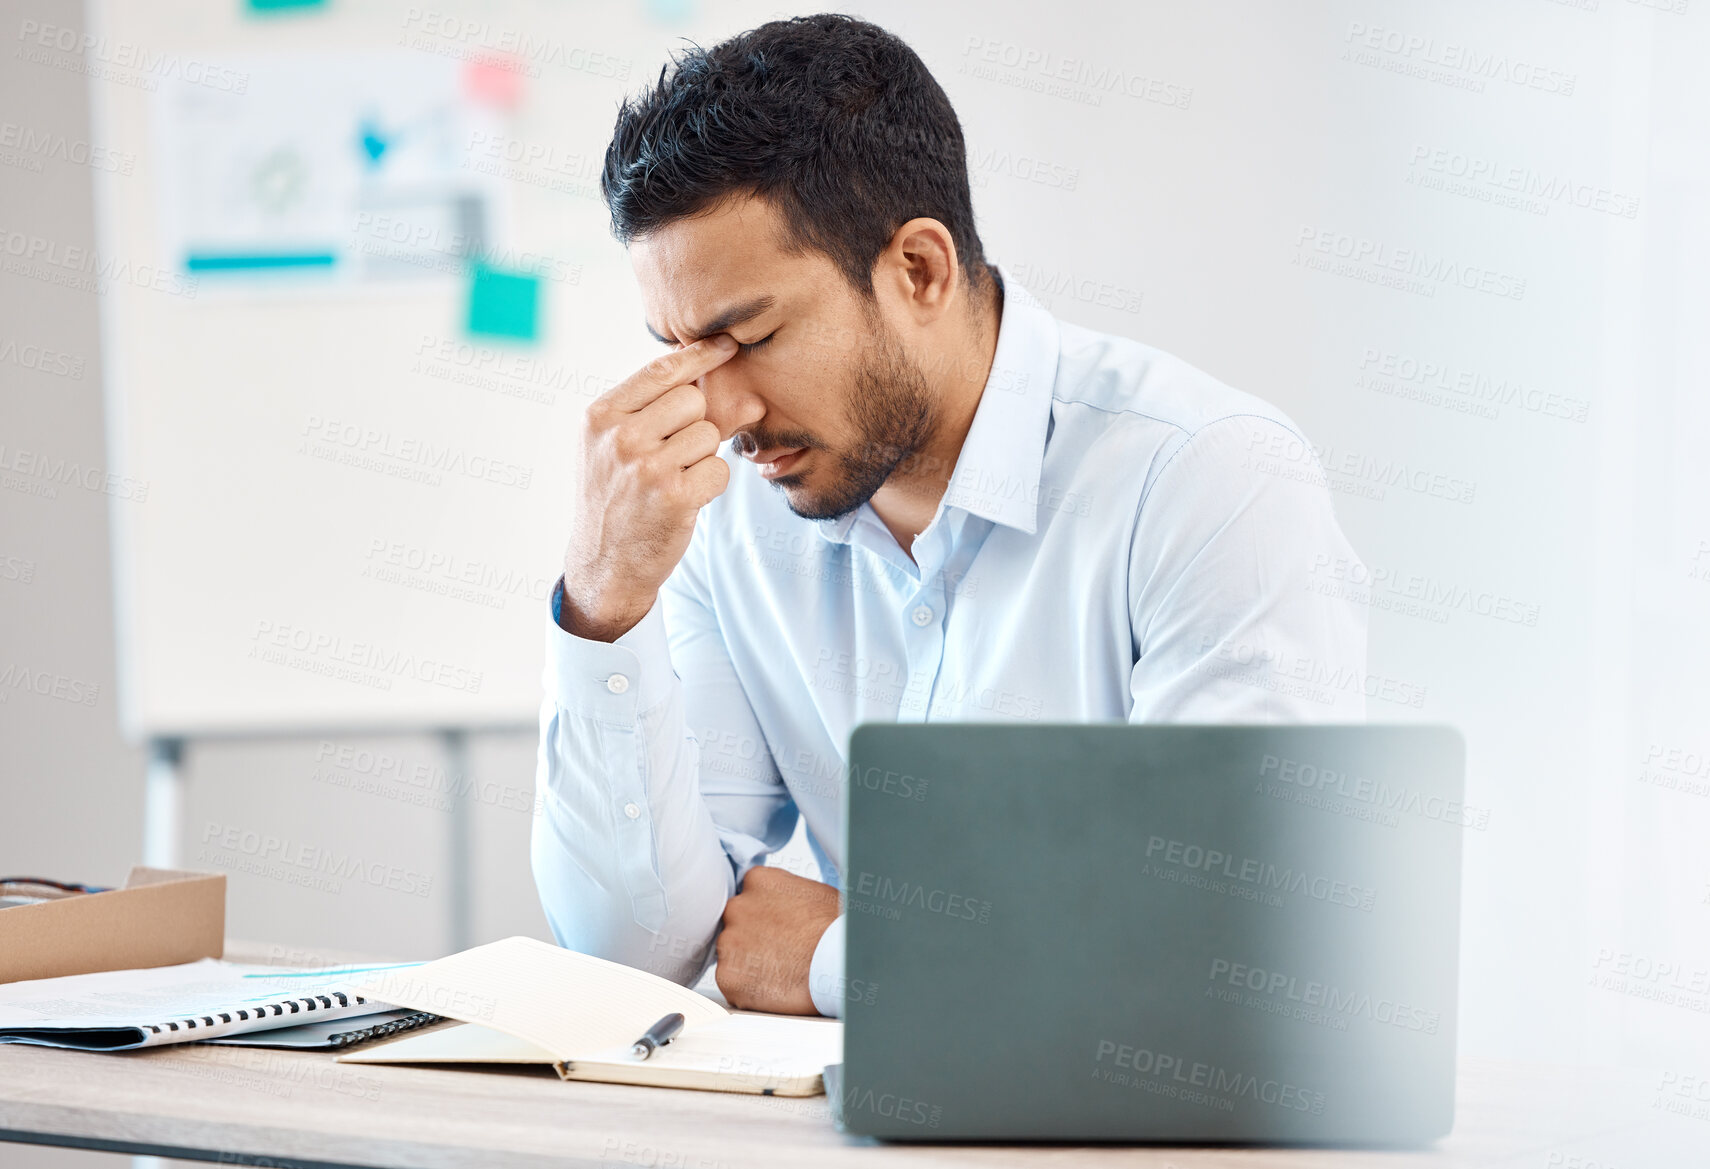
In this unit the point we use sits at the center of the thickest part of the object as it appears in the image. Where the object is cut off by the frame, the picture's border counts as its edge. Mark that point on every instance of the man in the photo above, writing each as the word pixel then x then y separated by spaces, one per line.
pixel 957 508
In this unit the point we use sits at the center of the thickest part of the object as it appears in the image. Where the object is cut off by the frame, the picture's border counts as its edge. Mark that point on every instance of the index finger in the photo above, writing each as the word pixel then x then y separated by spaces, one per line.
pixel 669 370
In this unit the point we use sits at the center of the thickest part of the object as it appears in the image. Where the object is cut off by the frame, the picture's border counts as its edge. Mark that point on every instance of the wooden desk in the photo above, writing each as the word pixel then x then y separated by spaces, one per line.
pixel 256 1106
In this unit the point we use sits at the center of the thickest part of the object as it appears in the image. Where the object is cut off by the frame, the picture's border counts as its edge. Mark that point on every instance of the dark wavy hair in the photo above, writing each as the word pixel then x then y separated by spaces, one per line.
pixel 834 121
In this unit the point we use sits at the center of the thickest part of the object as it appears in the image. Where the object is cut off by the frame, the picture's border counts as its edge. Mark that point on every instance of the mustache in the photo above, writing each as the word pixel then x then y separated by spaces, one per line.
pixel 751 442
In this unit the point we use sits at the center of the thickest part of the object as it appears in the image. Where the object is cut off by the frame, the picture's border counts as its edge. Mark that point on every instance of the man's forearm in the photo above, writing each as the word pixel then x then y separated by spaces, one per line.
pixel 626 858
pixel 592 910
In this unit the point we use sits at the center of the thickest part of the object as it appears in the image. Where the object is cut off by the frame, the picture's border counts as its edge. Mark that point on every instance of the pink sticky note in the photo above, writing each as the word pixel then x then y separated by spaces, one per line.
pixel 494 79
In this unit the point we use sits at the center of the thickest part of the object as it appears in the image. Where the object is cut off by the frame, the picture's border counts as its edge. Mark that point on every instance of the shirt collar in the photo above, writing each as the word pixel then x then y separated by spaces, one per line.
pixel 997 473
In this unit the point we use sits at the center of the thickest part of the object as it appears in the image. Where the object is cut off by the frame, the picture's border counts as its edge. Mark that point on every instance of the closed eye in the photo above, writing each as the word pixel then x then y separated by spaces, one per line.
pixel 751 346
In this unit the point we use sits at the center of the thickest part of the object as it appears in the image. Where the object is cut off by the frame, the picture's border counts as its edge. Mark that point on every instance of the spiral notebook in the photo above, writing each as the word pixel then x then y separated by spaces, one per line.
pixel 121 1010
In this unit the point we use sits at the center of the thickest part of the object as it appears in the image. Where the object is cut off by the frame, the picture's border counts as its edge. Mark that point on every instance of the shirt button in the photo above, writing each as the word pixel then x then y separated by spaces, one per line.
pixel 631 811
pixel 617 683
pixel 922 616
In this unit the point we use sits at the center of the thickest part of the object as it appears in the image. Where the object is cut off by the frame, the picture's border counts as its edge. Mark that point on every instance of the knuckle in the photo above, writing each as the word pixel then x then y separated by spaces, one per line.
pixel 599 414
pixel 664 367
pixel 625 444
pixel 690 400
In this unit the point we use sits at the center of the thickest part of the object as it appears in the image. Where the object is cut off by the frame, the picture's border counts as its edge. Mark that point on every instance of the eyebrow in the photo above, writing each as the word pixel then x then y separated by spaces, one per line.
pixel 736 315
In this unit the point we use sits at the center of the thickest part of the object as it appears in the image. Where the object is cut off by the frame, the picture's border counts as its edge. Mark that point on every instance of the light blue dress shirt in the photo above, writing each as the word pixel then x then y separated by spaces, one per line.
pixel 1124 538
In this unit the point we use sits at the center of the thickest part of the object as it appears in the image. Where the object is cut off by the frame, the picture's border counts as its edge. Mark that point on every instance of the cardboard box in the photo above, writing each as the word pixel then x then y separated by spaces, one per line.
pixel 160 918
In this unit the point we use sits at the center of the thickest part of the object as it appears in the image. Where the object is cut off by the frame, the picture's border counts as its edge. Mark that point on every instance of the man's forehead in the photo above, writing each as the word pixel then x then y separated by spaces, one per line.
pixel 697 271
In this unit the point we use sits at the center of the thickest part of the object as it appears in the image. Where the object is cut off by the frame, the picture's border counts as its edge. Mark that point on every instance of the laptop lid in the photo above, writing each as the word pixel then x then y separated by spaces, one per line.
pixel 1161 933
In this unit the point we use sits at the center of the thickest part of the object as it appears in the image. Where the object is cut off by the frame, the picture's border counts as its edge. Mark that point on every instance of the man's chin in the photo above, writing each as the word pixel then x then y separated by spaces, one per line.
pixel 811 504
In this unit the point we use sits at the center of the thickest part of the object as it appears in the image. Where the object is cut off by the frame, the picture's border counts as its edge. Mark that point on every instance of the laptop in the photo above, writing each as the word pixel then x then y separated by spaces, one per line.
pixel 1152 933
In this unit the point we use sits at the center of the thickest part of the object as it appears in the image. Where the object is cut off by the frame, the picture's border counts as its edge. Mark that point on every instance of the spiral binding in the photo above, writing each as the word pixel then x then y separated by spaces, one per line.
pixel 279 1009
pixel 380 1030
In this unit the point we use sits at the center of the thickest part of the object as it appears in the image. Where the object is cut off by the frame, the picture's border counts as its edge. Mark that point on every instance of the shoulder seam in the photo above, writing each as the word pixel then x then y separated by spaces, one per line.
pixel 1195 433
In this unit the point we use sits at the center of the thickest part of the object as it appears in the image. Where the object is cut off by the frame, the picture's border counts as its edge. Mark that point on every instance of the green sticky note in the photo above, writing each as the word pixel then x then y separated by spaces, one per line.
pixel 503 304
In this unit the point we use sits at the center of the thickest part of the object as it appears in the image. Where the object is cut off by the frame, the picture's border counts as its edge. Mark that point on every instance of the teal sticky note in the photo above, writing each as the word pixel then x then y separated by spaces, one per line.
pixel 675 11
pixel 282 5
pixel 503 304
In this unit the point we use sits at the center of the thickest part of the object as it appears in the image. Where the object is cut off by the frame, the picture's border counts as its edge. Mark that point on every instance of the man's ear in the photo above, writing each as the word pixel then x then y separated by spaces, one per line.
pixel 919 272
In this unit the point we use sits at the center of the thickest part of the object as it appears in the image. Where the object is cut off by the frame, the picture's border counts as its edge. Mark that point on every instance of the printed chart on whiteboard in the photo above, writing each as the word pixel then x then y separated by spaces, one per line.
pixel 329 168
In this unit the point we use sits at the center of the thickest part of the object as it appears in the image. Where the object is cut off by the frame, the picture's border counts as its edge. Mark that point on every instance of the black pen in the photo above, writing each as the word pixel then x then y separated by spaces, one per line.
pixel 657 1036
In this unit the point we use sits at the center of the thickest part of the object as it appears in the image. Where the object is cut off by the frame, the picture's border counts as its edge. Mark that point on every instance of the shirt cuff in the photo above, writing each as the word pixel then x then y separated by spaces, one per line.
pixel 615 680
pixel 825 972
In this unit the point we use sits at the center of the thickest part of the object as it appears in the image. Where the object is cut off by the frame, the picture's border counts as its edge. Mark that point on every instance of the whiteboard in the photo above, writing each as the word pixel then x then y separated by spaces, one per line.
pixel 349 514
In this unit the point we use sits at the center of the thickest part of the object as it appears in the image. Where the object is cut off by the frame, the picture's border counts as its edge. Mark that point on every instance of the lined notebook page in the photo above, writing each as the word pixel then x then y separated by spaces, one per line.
pixel 566 1003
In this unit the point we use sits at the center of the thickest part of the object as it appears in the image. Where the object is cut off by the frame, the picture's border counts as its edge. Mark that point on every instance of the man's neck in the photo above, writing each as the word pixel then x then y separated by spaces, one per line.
pixel 910 497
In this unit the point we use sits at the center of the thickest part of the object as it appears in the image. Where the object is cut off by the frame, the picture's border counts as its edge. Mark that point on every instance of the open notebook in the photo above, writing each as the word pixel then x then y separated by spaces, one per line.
pixel 530 1002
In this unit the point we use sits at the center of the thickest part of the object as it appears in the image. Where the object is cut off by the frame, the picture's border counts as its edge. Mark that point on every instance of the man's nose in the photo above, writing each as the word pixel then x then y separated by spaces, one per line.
pixel 732 404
